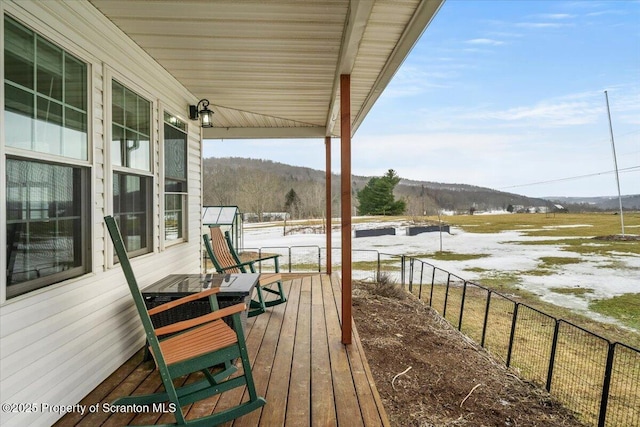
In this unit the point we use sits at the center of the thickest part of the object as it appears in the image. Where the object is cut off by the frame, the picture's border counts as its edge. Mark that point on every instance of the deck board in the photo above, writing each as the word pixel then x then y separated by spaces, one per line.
pixel 300 366
pixel 278 388
pixel 299 402
pixel 343 384
pixel 323 408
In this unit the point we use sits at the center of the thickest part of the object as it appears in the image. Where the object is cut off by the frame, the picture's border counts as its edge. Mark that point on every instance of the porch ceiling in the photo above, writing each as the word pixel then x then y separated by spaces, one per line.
pixel 271 69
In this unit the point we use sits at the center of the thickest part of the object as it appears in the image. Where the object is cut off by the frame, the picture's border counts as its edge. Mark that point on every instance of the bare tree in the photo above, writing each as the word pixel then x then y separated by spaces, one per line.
pixel 256 193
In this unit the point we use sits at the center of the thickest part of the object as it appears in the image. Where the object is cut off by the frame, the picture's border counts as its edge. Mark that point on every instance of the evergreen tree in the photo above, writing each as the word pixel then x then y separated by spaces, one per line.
pixel 292 203
pixel 376 198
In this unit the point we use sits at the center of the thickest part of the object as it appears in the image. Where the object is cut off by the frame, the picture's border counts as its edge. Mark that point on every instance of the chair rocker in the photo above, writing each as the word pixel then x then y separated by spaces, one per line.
pixel 195 345
pixel 225 260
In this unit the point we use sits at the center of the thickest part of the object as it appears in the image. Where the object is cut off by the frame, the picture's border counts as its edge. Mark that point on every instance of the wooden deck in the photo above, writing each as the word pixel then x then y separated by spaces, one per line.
pixel 307 376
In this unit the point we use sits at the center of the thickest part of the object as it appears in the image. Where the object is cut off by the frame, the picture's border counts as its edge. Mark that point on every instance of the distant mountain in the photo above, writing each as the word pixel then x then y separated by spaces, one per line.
pixel 262 186
pixel 630 202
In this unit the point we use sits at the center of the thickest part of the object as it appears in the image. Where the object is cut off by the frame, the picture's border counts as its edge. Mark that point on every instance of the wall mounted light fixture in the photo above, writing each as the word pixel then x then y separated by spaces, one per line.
pixel 203 113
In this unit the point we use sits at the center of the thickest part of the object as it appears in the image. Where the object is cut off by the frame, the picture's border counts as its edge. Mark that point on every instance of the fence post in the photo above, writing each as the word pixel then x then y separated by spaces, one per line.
pixel 411 260
pixel 320 260
pixel 289 259
pixel 421 272
pixel 433 279
pixel 486 318
pixel 513 332
pixel 464 294
pixel 402 270
pixel 378 272
pixel 552 357
pixel 446 296
pixel 606 385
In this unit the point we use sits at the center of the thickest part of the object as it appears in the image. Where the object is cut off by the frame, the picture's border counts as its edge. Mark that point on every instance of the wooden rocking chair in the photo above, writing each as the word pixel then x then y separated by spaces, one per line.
pixel 225 260
pixel 194 345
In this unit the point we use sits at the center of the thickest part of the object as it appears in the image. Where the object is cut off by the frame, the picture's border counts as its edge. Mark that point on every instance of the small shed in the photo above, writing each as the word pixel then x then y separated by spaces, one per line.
pixel 228 218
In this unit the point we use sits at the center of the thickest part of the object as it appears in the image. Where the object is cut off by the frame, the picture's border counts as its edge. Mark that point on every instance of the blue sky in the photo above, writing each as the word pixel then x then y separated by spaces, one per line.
pixel 502 94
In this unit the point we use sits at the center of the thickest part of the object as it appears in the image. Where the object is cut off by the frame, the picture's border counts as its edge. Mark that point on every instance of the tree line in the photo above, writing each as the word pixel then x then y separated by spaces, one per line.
pixel 259 186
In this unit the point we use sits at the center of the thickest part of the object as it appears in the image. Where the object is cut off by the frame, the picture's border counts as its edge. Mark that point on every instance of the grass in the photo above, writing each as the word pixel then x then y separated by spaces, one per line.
pixel 588 246
pixel 385 264
pixel 625 308
pixel 572 291
pixel 448 256
pixel 301 266
pixel 386 286
pixel 554 261
pixel 579 225
pixel 500 280
pixel 551 261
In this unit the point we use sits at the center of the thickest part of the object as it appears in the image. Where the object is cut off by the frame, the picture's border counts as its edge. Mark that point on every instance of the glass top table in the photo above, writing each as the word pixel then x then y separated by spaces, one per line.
pixel 180 285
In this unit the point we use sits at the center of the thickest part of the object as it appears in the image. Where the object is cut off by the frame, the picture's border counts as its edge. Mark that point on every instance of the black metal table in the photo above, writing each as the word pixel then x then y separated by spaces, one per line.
pixel 234 289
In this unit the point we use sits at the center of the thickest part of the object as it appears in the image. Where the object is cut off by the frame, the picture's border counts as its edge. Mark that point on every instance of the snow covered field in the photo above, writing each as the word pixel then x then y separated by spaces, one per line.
pixel 604 276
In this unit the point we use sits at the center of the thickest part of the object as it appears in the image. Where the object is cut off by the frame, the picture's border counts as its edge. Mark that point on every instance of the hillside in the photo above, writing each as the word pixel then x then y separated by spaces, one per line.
pixel 262 186
pixel 630 202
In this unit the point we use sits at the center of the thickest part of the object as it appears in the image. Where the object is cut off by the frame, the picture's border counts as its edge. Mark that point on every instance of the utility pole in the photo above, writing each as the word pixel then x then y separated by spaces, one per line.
pixel 615 161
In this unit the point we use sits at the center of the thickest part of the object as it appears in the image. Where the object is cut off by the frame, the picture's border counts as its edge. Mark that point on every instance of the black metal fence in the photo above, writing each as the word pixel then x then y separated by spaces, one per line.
pixel 596 378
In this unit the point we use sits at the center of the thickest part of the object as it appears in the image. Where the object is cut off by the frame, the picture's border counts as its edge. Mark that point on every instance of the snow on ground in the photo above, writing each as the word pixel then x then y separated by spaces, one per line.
pixel 605 276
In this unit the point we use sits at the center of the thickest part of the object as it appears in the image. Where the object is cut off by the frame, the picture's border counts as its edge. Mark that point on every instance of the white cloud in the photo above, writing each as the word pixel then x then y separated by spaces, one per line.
pixel 489 42
pixel 413 80
pixel 606 12
pixel 540 25
pixel 580 108
pixel 551 113
pixel 556 16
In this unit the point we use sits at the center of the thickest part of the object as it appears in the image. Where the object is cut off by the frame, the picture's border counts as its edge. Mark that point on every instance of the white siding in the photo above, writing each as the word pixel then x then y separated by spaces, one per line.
pixel 60 342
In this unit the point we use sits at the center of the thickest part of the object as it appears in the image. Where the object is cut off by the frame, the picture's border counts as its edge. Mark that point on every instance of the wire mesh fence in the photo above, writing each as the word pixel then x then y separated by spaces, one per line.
pixel 474 313
pixel 597 379
pixel 623 397
pixel 532 344
pixel 578 370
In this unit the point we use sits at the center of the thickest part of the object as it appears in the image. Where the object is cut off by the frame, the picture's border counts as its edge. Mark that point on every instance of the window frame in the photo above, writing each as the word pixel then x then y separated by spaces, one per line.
pixel 183 194
pixel 110 76
pixel 84 164
pixel 85 250
pixel 37 96
pixel 147 182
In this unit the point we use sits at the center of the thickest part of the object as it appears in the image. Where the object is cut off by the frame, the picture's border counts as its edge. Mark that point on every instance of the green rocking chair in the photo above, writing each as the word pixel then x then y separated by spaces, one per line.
pixel 194 345
pixel 225 260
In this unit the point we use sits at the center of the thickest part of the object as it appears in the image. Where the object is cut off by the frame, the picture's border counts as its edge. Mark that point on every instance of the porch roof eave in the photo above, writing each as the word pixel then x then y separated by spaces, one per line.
pixel 272 69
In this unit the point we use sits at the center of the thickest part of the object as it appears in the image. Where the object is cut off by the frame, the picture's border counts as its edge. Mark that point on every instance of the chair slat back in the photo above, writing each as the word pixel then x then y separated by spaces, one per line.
pixel 234 252
pixel 221 254
pixel 123 257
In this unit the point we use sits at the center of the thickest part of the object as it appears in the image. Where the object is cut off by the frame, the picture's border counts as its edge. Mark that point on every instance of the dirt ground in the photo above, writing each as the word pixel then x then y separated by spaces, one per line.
pixel 428 374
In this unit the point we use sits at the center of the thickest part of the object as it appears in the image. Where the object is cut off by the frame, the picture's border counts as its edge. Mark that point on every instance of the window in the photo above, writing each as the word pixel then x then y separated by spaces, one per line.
pixel 131 160
pixel 131 201
pixel 45 95
pixel 130 146
pixel 47 202
pixel 175 178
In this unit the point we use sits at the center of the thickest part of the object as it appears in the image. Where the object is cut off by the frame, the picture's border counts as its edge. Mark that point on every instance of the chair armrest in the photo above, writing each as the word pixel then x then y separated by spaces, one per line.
pixel 266 258
pixel 188 298
pixel 273 257
pixel 206 318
